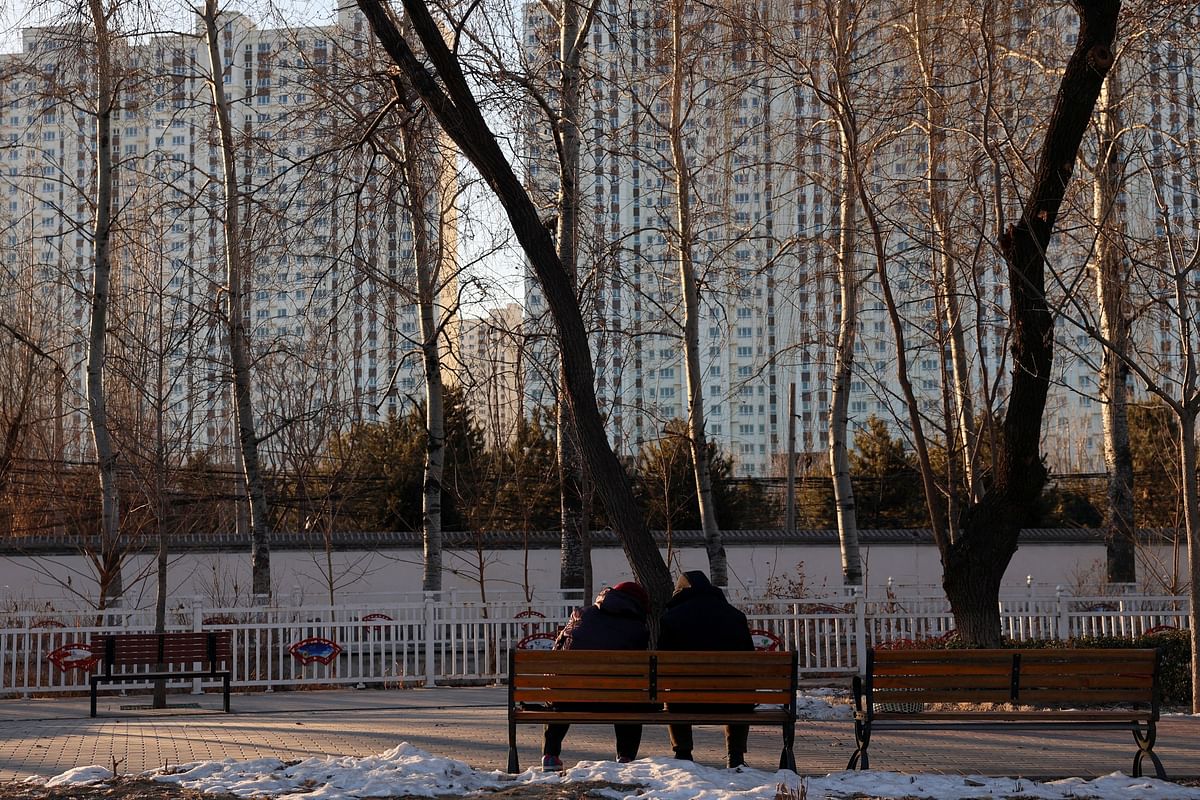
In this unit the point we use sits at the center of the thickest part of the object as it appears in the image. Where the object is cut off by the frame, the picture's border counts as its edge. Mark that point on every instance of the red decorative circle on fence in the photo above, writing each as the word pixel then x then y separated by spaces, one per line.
pixel 1160 629
pixel 530 627
pixel 75 655
pixel 220 619
pixel 766 640
pixel 377 616
pixel 46 623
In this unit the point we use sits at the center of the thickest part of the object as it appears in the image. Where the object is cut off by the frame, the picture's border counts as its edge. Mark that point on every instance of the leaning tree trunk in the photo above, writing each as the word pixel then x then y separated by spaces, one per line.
pixel 456 110
pixel 1119 530
pixel 697 438
pixel 239 346
pixel 974 563
pixel 109 556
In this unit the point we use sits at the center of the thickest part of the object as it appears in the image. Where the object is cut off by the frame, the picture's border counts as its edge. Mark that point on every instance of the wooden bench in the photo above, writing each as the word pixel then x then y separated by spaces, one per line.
pixel 160 652
pixel 656 680
pixel 1053 688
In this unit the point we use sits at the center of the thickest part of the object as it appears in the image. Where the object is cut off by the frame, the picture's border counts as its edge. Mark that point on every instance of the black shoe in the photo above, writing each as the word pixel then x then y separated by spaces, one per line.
pixel 736 760
pixel 684 755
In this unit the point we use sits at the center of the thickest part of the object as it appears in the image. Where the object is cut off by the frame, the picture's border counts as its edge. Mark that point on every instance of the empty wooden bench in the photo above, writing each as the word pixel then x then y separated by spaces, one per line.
pixel 1058 688
pixel 161 651
pixel 726 684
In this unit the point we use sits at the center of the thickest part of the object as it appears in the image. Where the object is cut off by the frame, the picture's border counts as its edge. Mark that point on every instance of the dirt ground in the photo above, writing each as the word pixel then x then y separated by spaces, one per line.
pixel 143 789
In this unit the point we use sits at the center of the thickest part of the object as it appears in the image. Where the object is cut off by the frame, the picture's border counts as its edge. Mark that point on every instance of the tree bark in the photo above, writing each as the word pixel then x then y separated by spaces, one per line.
pixel 1191 516
pixel 425 211
pixel 109 556
pixel 239 346
pixel 459 115
pixel 1111 297
pixel 684 244
pixel 974 563
pixel 572 33
pixel 848 284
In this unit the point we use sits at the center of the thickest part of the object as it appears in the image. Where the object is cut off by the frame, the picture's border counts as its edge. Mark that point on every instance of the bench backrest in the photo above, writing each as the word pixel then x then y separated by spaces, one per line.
pixel 148 649
pixel 1033 677
pixel 656 676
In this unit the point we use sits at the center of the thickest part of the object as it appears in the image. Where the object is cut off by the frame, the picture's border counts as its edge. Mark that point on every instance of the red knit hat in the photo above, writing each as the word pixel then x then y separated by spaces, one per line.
pixel 634 590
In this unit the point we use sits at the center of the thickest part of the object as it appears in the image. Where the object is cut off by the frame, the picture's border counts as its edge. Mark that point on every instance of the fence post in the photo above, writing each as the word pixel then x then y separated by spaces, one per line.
pixel 860 628
pixel 197 627
pixel 428 636
pixel 1064 621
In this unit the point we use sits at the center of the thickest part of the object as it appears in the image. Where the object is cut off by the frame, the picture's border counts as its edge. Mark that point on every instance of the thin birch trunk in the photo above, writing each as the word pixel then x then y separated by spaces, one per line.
pixel 421 172
pixel 239 347
pixel 950 306
pixel 1111 297
pixel 697 439
pixel 109 557
pixel 839 459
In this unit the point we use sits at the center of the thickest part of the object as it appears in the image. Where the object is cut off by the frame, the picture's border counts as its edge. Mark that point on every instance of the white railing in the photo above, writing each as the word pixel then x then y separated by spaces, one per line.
pixel 447 641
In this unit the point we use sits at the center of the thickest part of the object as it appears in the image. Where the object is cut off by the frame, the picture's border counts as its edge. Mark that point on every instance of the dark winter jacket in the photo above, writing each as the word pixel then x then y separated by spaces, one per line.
pixel 698 617
pixel 616 621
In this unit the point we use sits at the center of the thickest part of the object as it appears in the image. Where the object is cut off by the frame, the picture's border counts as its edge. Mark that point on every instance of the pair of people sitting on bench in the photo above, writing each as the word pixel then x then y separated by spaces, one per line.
pixel 698 617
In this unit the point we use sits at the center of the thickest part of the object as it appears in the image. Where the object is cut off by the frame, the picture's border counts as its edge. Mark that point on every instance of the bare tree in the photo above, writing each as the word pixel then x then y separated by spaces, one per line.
pixel 974 563
pixel 235 311
pixel 453 105
pixel 102 230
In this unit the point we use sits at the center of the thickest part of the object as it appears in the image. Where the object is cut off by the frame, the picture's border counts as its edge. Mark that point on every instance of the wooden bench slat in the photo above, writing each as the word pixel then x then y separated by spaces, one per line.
pixel 581 696
pixel 965 682
pixel 943 656
pixel 1035 696
pixel 942 696
pixel 669 682
pixel 1135 684
pixel 1016 716
pixel 722 657
pixel 747 671
pixel 598 682
pixel 723 698
pixel 943 668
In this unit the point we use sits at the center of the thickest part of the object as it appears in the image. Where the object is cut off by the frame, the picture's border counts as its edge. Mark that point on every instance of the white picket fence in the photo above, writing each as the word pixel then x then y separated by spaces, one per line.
pixel 451 641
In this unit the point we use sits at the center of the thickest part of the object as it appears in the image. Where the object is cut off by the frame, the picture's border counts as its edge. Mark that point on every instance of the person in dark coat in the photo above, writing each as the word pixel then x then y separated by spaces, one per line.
pixel 615 621
pixel 698 617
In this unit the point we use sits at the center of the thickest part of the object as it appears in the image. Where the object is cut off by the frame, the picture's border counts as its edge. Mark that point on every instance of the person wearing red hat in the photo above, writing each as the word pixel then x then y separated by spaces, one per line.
pixel 615 621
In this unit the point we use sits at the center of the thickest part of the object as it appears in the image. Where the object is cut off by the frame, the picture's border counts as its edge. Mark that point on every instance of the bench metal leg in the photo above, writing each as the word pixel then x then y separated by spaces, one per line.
pixel 787 759
pixel 514 765
pixel 225 688
pixel 1145 743
pixel 862 739
pixel 94 683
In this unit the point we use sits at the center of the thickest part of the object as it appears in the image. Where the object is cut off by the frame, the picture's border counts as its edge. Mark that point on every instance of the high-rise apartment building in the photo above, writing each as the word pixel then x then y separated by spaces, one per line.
pixel 758 117
pixel 331 288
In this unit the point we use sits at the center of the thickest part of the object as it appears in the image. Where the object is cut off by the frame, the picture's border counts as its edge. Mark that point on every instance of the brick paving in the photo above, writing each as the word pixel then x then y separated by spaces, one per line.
pixel 48 736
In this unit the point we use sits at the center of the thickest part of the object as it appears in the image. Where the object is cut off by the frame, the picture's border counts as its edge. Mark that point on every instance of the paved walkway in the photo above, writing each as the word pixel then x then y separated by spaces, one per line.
pixel 49 736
